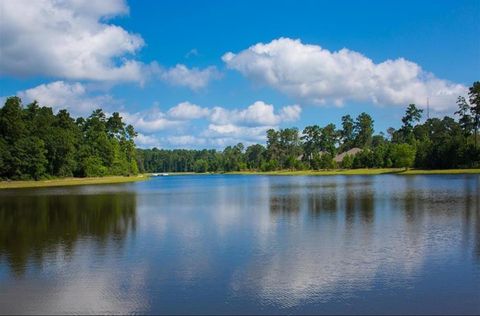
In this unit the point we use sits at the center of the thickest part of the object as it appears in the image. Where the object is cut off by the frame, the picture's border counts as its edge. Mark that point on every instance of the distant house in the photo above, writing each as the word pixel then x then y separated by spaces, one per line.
pixel 352 152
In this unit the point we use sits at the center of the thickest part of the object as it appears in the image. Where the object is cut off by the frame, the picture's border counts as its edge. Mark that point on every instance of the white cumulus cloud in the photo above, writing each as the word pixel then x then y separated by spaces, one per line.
pixel 175 129
pixel 318 75
pixel 184 140
pixel 149 121
pixel 146 141
pixel 188 111
pixel 64 95
pixel 257 114
pixel 68 39
pixel 192 78
pixel 235 134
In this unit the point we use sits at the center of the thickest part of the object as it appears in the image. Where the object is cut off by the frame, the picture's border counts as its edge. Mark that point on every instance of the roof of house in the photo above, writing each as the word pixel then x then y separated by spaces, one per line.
pixel 351 152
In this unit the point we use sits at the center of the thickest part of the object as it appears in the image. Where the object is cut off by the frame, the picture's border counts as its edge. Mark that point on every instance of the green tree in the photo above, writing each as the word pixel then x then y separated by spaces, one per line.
pixel 94 167
pixel 290 145
pixel 347 162
pixel 269 165
pixel 325 161
pixel 466 119
pixel 412 115
pixel 12 131
pixel 403 155
pixel 30 151
pixel 363 130
pixel 311 142
pixel 233 157
pixel 273 145
pixel 200 166
pixel 347 133
pixel 474 98
pixel 329 139
pixel 12 125
pixel 254 156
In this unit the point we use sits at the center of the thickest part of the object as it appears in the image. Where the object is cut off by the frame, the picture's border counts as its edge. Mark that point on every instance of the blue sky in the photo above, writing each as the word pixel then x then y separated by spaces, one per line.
pixel 195 74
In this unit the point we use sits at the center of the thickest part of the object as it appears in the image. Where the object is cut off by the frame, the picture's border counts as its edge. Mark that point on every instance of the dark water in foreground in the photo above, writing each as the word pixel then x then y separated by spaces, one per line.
pixel 244 244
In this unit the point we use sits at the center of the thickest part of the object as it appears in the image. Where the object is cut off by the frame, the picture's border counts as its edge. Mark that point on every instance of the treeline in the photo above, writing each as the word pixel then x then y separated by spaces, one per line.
pixel 35 143
pixel 434 144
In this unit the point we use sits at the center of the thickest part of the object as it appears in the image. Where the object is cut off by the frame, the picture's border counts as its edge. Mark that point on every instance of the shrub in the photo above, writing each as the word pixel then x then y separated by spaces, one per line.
pixel 347 162
pixel 403 155
pixel 93 167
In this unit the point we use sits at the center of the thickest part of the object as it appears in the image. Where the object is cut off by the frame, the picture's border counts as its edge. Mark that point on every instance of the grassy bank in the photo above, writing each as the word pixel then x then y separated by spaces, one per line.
pixel 373 171
pixel 444 171
pixel 69 182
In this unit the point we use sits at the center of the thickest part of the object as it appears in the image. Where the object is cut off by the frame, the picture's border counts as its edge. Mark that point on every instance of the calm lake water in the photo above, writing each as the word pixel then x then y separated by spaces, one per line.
pixel 244 244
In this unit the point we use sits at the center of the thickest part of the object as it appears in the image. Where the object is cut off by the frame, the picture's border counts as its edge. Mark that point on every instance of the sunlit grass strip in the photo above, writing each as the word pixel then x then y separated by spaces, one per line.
pixel 443 171
pixel 365 171
pixel 70 181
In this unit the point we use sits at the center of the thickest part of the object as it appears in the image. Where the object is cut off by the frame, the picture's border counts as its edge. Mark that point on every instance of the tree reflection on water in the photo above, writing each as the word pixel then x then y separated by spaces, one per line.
pixel 32 226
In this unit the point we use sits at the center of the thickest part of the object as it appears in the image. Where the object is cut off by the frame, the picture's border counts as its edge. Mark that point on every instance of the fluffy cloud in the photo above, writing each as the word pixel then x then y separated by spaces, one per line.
pixel 184 140
pixel 150 121
pixel 193 78
pixel 245 133
pixel 225 126
pixel 73 40
pixel 318 75
pixel 259 113
pixel 188 111
pixel 68 39
pixel 64 95
pixel 174 129
pixel 146 141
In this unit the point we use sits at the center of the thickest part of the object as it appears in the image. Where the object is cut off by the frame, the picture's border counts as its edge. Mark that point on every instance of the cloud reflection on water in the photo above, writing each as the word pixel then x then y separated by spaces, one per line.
pixel 225 243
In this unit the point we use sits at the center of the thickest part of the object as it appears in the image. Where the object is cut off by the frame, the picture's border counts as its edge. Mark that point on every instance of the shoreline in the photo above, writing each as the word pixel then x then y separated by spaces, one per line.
pixel 333 172
pixel 29 184
pixel 372 171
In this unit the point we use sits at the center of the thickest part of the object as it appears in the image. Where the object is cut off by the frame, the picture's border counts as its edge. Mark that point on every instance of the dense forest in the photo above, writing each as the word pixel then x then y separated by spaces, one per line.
pixel 434 144
pixel 35 143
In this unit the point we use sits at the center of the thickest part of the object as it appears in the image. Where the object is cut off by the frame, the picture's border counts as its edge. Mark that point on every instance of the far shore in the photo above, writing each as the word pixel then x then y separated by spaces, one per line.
pixel 363 171
pixel 70 181
pixel 121 179
pixel 332 172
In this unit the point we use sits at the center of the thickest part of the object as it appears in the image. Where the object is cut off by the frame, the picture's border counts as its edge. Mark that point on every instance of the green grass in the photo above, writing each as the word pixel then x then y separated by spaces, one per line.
pixel 186 173
pixel 373 171
pixel 443 171
pixel 70 181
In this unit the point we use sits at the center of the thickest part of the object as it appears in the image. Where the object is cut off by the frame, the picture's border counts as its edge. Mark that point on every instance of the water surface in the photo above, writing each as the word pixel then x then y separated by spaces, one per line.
pixel 244 244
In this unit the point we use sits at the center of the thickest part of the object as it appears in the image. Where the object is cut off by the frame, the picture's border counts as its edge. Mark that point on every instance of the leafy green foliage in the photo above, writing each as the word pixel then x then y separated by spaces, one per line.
pixel 200 166
pixel 347 134
pixel 403 155
pixel 347 162
pixel 363 130
pixel 35 143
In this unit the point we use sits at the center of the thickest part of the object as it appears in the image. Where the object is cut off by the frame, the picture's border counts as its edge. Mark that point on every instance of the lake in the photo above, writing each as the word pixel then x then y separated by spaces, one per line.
pixel 244 244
